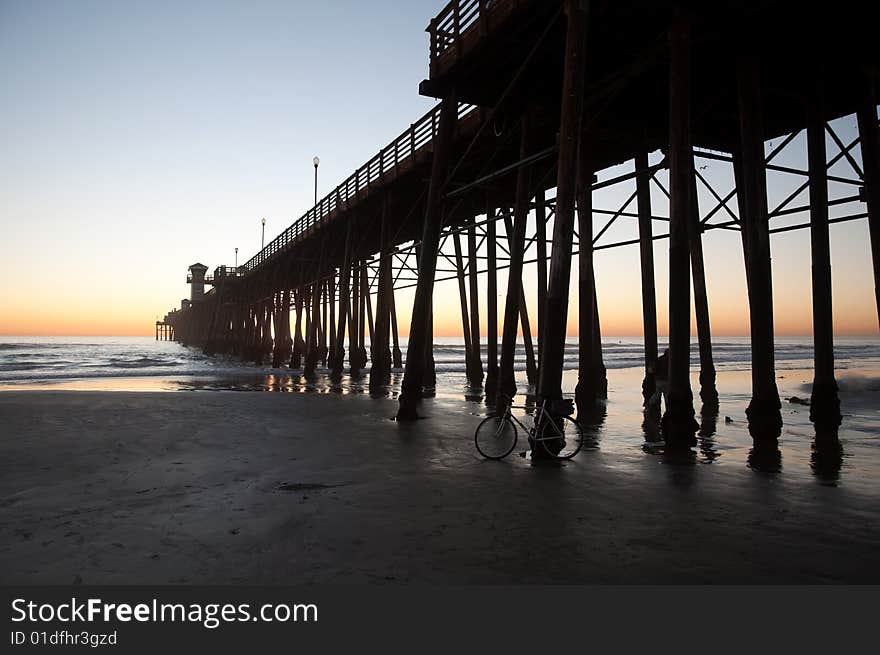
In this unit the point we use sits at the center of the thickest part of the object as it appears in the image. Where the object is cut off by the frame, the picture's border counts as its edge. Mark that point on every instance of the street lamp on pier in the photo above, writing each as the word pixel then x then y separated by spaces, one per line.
pixel 263 239
pixel 316 161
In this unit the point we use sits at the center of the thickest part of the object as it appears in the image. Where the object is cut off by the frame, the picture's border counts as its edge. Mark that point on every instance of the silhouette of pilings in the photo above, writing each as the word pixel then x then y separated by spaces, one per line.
pixel 824 403
pixel 646 262
pixel 592 385
pixel 164 331
pixel 708 391
pixel 765 419
pixel 549 122
pixel 380 370
pixel 869 137
pixel 678 423
pixel 420 327
pixel 556 313
pixel 491 304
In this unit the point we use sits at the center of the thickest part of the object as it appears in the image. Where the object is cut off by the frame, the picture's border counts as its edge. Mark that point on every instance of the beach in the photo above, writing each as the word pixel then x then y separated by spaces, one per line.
pixel 233 487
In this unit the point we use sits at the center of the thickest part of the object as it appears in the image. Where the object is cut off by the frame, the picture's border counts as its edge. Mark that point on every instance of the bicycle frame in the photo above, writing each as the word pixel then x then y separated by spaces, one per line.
pixel 530 431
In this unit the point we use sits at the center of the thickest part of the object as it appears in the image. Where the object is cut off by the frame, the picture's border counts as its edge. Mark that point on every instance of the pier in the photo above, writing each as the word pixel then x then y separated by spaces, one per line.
pixel 537 101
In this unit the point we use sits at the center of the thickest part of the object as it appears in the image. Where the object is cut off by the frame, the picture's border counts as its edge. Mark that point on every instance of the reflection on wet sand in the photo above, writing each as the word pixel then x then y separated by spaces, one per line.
pixel 621 426
pixel 826 458
pixel 765 457
pixel 706 434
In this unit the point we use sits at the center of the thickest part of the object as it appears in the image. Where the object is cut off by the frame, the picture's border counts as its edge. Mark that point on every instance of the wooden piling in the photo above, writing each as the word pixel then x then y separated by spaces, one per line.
pixel 298 344
pixel 344 278
pixel 528 345
pixel 824 402
pixel 476 377
pixel 708 391
pixel 313 321
pixel 541 264
pixel 381 357
pixel 646 258
pixel 365 288
pixel 587 393
pixel 524 323
pixel 331 346
pixel 516 238
pixel 600 375
pixel 417 348
pixel 463 306
pixel 556 306
pixel 491 305
pixel 323 348
pixel 396 355
pixel 765 419
pixel 679 426
pixel 869 137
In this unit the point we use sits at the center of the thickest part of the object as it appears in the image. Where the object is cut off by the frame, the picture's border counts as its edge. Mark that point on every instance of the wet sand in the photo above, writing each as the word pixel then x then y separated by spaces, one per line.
pixel 228 487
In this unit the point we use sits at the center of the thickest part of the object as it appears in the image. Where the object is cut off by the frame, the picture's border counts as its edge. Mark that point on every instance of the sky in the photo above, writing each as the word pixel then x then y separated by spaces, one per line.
pixel 139 138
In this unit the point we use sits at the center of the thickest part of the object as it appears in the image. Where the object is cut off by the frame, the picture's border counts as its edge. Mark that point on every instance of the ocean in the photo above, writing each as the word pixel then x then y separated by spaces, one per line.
pixel 45 364
pixel 115 363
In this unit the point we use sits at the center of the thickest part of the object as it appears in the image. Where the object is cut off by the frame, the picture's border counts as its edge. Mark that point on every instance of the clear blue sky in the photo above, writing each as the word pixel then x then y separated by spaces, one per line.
pixel 140 137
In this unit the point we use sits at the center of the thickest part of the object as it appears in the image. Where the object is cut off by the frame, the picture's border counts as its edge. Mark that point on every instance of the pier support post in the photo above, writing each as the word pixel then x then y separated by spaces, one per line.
pixel 322 348
pixel 281 353
pixel 528 346
pixel 463 305
pixel 869 137
pixel 368 306
pixel 824 402
pixel 491 306
pixel 298 345
pixel 313 321
pixel 708 391
pixel 417 348
pixel 646 255
pixel 588 391
pixel 259 339
pixel 268 342
pixel 556 306
pixel 396 355
pixel 679 425
pixel 765 419
pixel 599 372
pixel 355 322
pixel 338 362
pixel 476 376
pixel 541 255
pixel 380 371
pixel 331 346
pixel 516 234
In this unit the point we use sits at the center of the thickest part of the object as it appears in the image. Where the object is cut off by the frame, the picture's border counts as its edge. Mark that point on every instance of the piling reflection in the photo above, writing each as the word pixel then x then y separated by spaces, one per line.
pixel 651 427
pixel 591 420
pixel 706 433
pixel 765 457
pixel 826 458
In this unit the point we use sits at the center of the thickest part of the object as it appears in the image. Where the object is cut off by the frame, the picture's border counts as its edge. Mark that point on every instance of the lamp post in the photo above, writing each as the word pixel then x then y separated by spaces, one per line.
pixel 316 161
pixel 263 239
pixel 236 261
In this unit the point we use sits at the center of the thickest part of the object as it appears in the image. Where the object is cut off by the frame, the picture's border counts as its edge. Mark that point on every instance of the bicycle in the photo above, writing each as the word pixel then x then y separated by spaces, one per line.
pixel 559 435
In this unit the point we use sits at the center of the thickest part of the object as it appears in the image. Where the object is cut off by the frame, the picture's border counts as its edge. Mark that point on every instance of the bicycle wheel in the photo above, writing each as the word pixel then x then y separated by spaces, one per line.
pixel 561 437
pixel 495 437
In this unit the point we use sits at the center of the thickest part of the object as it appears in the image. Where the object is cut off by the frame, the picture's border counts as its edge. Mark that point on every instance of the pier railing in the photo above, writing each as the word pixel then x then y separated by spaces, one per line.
pixel 388 160
pixel 446 27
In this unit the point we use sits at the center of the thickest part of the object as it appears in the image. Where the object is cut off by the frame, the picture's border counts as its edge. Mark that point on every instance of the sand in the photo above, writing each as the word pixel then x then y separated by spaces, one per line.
pixel 289 488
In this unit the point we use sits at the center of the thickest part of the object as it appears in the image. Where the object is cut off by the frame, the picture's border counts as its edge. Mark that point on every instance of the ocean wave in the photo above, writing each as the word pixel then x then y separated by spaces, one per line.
pixel 141 362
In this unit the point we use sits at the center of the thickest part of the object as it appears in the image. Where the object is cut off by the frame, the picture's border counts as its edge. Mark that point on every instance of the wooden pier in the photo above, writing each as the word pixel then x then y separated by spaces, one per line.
pixel 537 99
